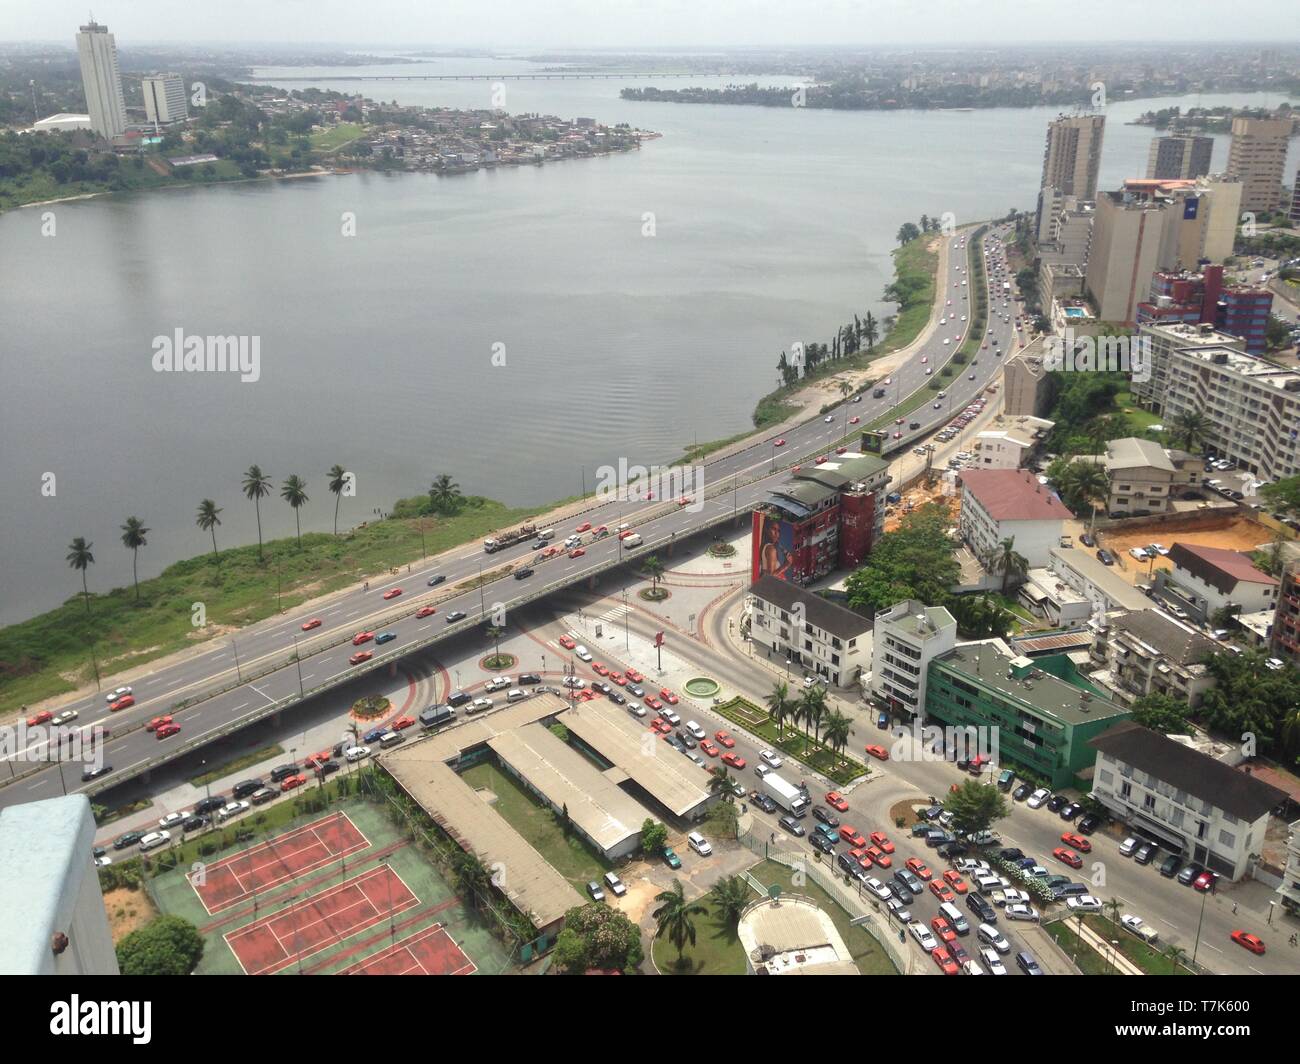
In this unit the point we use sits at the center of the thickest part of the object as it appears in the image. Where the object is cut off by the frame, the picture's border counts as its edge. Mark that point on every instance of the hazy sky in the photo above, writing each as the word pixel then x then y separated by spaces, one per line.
pixel 533 24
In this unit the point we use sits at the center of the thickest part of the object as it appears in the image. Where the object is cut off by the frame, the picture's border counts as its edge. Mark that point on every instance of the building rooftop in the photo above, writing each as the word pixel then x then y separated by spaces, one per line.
pixel 1017 679
pixel 1168 637
pixel 1104 578
pixel 792 935
pixel 844 470
pixel 915 618
pixel 1220 568
pixel 819 612
pixel 1232 790
pixel 1259 370
pixel 1133 453
pixel 1013 495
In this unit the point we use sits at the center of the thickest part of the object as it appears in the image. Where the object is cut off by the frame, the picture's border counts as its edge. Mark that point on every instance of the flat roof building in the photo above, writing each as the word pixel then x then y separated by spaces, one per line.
pixel 1257 156
pixel 792 935
pixel 906 637
pixel 101 80
pixel 825 639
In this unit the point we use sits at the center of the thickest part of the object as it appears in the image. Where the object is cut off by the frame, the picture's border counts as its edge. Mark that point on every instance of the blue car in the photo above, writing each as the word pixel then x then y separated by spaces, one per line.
pixel 373 736
pixel 385 637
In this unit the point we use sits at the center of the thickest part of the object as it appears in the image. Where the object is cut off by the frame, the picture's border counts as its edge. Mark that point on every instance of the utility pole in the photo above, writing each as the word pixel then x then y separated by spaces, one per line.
pixel 298 661
pixel 238 677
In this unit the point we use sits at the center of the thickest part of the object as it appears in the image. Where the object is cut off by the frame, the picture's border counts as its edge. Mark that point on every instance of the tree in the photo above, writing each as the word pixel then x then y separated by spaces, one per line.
pixel 133 533
pixel 208 518
pixel 471 877
pixel 1249 697
pixel 1272 559
pixel 975 806
pixel 675 918
pixel 444 494
pixel 494 633
pixel 294 492
pixel 654 569
pixel 916 560
pixel 1163 714
pixel 778 703
pixel 1004 559
pixel 598 936
pixel 870 330
pixel 812 708
pixel 257 486
pixel 80 558
pixel 168 945
pixel 980 616
pixel 1081 483
pixel 720 782
pixel 730 897
pixel 838 730
pixel 339 480
pixel 1189 430
pixel 654 836
pixel 908 232
pixel 1283 495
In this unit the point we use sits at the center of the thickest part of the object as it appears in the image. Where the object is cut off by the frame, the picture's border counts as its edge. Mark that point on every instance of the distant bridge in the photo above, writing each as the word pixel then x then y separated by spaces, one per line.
pixel 490 77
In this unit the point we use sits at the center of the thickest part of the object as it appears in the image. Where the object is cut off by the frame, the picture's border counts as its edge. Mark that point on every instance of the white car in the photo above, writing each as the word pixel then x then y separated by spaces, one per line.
pixel 761 770
pixel 1039 796
pixel 356 753
pixel 991 936
pixel 582 653
pixel 695 729
pixel 1009 896
pixel 113 696
pixel 990 957
pixel 671 717
pixel 810 681
pixel 574 682
pixel 1084 903
pixel 1136 925
pixel 828 418
pixel 970 967
pixel 103 862
pixel 478 705
pixel 174 818
pixel 516 694
pixel 615 885
pixel 923 936
pixel 497 683
pixel 64 717
pixel 155 839
pixel 769 759
pixel 878 888
pixel 636 709
pixel 1127 847
pixel 1021 912
pixel 232 809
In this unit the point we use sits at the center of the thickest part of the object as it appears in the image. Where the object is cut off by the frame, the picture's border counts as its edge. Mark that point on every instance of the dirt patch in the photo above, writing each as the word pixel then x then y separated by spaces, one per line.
pixel 127 910
pixel 639 901
pixel 1229 532
pixel 916 497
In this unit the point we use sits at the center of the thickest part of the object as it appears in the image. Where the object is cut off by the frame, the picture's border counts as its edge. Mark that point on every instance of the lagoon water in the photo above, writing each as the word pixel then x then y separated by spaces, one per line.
pixel 514 328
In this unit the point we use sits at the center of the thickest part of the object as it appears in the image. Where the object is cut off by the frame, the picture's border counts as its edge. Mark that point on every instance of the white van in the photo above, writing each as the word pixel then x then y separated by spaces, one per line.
pixel 154 839
pixel 634 540
pixel 546 534
pixel 572 542
pixel 615 885
pixel 992 936
pixel 954 916
pixel 694 729
pixel 699 844
pixel 516 694
pixel 582 653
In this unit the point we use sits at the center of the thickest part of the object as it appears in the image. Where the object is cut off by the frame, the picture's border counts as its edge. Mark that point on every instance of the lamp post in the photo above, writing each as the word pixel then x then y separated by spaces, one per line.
pixel 235 648
pixel 1200 920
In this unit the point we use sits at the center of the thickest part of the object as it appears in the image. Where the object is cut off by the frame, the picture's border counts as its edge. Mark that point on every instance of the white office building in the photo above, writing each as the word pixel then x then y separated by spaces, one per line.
pixel 164 99
pixel 101 80
pixel 1001 504
pixel 814 634
pixel 904 639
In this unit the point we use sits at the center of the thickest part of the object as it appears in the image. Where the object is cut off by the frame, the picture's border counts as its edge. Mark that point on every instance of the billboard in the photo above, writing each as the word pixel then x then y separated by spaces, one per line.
pixel 772 546
pixel 872 442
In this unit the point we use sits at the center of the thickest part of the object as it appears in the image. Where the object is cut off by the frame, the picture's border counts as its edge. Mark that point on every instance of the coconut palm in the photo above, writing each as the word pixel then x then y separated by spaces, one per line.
pixel 730 897
pixel 208 518
pixel 471 877
pixel 495 633
pixel 838 727
pixel 133 533
pixel 1084 484
pixel 814 710
pixel 675 917
pixel 721 783
pixel 80 558
pixel 778 703
pixel 294 492
pixel 1004 559
pixel 870 330
pixel 444 494
pixel 654 569
pixel 1190 429
pixel 257 486
pixel 339 480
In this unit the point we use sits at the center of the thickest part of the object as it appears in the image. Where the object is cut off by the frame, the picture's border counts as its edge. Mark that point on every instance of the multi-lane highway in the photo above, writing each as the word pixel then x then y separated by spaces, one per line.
pixel 237 680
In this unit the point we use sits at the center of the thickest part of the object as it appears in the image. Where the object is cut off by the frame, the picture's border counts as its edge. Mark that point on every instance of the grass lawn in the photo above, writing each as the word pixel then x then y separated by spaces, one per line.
pixel 235 764
pixel 868 954
pixel 754 719
pixel 1149 958
pixel 48 654
pixel 717 950
pixel 1140 419
pixel 336 136
pixel 568 854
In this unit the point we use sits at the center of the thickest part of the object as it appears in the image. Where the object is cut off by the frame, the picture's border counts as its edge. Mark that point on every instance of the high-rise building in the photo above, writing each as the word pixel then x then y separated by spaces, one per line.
pixel 1257 159
pixel 101 80
pixel 1163 340
pixel 1196 298
pixel 1179 157
pixel 164 98
pixel 1295 201
pixel 1072 157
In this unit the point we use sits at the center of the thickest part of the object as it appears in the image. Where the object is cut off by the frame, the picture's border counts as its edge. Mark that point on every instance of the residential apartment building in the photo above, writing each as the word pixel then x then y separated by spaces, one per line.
pixel 1072 155
pixel 1257 158
pixel 164 98
pixel 1204 580
pixel 1010 441
pixel 1251 406
pixel 1191 803
pixel 1105 589
pixel 1286 623
pixel 905 638
pixel 1294 214
pixel 1041 722
pixel 1289 890
pixel 1202 298
pixel 826 640
pixel 1162 340
pixel 101 80
pixel 1027 387
pixel 1147 652
pixel 1000 504
pixel 1176 157
pixel 1145 478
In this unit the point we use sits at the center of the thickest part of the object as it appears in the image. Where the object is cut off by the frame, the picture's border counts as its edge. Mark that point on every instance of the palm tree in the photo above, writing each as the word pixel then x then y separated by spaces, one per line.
pixel 80 558
pixel 1004 559
pixel 721 782
pixel 1084 484
pixel 837 731
pixel 1176 954
pixel 133 533
pixel 294 492
pixel 814 709
pixel 675 917
pixel 494 633
pixel 1191 427
pixel 257 486
pixel 870 330
pixel 730 896
pixel 471 877
pixel 208 519
pixel 654 569
pixel 444 494
pixel 845 389
pixel 1114 906
pixel 778 703
pixel 339 480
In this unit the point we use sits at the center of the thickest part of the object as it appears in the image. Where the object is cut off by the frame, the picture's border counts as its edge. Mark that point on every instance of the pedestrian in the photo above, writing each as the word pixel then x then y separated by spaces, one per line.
pixel 773 839
pixel 1234 908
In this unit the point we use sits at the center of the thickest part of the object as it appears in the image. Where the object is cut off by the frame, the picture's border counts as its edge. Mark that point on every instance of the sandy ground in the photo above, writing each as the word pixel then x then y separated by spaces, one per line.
pixel 127 910
pixel 1228 532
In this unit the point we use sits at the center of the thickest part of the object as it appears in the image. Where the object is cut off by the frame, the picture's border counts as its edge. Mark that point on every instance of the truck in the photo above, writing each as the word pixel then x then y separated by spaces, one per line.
pixel 785 794
pixel 508 539
pixel 634 540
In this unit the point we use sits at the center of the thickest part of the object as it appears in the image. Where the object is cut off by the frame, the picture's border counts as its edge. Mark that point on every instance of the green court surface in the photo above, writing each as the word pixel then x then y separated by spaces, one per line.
pixel 436 902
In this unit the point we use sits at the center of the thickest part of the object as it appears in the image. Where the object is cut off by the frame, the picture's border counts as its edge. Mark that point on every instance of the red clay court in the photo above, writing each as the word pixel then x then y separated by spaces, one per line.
pixel 430 951
pixel 277 861
pixel 319 920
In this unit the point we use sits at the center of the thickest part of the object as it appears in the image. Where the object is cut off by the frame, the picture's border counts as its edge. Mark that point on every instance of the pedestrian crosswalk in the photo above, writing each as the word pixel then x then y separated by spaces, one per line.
pixel 616 614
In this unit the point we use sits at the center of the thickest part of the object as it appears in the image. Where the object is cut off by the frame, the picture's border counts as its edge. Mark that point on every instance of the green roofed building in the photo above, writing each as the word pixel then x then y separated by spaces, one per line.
pixel 1042 722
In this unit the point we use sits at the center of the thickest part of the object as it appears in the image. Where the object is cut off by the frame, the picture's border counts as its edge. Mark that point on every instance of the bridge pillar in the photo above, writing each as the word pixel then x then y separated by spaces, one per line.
pixel 591 582
pixel 392 670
